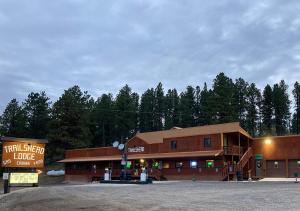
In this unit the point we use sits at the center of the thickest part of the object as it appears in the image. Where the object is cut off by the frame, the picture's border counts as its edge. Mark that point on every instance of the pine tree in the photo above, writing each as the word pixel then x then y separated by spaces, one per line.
pixel 12 121
pixel 281 104
pixel 171 109
pixel 37 109
pixel 69 125
pixel 253 98
pixel 102 121
pixel 187 107
pixel 147 111
pixel 296 116
pixel 223 101
pixel 206 106
pixel 267 110
pixel 240 95
pixel 158 108
pixel 172 117
pixel 197 106
pixel 126 114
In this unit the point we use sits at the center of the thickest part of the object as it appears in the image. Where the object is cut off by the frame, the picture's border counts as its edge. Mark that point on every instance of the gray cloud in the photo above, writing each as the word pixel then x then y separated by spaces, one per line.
pixel 102 45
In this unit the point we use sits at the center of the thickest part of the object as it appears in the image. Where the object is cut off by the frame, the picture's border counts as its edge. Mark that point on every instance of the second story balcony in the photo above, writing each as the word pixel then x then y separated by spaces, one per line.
pixel 233 150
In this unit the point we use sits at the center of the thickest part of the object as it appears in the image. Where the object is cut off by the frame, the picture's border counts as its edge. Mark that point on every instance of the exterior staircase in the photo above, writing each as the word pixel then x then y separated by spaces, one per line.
pixel 244 159
pixel 229 175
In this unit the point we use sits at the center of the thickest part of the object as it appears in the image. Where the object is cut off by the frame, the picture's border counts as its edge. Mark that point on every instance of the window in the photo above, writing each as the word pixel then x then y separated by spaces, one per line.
pixel 173 145
pixel 207 142
pixel 209 164
pixel 298 163
pixel 179 164
pixel 193 164
pixel 275 164
pixel 166 165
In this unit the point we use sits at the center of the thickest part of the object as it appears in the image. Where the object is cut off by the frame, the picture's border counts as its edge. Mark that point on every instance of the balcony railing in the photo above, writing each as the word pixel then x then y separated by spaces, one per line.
pixel 233 150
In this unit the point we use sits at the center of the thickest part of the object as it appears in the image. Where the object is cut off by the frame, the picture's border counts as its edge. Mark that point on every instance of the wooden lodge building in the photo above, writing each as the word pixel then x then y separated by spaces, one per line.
pixel 214 152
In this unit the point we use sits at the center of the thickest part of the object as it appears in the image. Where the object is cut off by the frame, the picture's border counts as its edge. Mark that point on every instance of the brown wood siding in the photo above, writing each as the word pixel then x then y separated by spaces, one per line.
pixel 280 148
pixel 92 152
pixel 137 142
pixel 273 171
pixel 191 143
pixel 293 168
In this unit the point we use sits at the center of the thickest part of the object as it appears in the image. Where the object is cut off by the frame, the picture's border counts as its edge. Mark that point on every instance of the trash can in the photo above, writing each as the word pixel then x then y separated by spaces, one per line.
pixel 239 175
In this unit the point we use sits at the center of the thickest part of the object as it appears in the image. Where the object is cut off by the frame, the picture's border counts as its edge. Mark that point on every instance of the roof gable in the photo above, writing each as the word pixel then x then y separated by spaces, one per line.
pixel 159 136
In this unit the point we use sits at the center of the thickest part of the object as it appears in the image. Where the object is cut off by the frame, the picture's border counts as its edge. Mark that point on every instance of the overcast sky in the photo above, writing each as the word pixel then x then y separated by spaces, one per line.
pixel 102 45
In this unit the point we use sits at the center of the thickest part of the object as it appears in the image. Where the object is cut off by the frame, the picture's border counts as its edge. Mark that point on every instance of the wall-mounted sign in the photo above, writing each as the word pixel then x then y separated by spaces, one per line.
pixel 258 156
pixel 23 178
pixel 23 154
pixel 136 149
pixel 5 176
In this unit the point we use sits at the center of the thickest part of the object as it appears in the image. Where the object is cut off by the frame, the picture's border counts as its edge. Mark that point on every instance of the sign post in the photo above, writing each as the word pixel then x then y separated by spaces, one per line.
pixel 6 182
pixel 25 154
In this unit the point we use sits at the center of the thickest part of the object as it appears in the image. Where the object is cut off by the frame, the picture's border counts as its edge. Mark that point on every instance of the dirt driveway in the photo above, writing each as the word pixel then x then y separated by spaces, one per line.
pixel 186 195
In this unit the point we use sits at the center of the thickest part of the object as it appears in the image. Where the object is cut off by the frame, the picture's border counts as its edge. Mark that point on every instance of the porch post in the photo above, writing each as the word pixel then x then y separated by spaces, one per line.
pixel 239 146
pixel 222 141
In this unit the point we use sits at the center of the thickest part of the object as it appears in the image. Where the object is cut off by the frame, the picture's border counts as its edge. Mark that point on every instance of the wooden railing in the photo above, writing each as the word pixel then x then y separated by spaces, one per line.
pixel 233 150
pixel 244 159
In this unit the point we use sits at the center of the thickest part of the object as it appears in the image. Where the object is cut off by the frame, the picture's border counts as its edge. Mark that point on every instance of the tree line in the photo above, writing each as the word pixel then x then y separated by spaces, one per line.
pixel 77 120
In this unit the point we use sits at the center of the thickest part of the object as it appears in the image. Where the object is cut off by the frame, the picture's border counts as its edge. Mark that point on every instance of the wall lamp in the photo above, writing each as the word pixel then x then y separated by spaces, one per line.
pixel 268 141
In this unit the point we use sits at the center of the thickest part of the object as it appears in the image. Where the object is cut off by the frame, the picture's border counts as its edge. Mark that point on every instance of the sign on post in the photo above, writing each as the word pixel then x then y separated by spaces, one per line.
pixel 5 176
pixel 23 155
pixel 23 178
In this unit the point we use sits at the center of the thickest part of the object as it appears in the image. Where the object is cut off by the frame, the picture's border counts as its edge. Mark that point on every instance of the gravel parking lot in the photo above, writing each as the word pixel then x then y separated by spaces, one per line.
pixel 184 195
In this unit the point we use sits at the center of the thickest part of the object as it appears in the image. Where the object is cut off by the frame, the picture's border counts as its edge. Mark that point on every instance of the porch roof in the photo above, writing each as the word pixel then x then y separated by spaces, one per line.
pixel 212 153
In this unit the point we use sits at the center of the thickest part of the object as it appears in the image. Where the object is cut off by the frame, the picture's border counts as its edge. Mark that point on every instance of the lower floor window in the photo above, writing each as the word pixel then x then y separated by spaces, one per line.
pixel 179 164
pixel 193 164
pixel 166 165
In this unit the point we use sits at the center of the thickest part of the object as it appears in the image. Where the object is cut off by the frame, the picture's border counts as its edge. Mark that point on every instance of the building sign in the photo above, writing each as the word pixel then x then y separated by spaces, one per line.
pixel 23 154
pixel 258 157
pixel 136 149
pixel 23 178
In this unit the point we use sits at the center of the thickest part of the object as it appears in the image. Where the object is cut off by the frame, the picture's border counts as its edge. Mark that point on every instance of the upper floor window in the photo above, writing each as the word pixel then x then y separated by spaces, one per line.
pixel 179 164
pixel 207 142
pixel 173 144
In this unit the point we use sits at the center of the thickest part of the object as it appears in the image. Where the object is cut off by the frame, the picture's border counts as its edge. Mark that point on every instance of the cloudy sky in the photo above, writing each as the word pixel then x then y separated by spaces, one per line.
pixel 102 45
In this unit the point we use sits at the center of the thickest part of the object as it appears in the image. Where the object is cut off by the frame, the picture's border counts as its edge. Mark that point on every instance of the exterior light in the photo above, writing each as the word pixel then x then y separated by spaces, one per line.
pixel 268 141
pixel 142 160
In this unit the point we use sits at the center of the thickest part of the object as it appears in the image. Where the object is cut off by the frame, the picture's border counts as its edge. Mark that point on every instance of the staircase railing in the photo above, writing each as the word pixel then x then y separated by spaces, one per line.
pixel 244 159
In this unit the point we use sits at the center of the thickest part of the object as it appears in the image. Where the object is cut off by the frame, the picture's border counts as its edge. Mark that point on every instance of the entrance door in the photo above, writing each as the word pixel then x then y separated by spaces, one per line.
pixel 258 168
pixel 276 168
pixel 294 167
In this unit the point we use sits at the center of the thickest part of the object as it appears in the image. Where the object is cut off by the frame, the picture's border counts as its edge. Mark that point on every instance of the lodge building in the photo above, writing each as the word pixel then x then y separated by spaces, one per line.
pixel 213 152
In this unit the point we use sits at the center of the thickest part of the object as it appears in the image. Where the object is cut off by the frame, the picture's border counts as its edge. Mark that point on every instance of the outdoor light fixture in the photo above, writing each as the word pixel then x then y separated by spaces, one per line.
pixel 268 141
pixel 142 160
